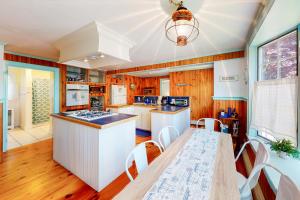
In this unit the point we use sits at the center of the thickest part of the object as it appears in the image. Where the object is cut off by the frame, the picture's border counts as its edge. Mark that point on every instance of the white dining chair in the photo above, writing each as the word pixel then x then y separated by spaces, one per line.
pixel 209 124
pixel 166 135
pixel 250 183
pixel 139 155
pixel 287 189
pixel 262 156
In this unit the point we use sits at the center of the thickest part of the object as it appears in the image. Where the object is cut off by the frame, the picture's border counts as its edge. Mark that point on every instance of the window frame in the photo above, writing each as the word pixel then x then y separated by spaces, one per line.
pixel 258 78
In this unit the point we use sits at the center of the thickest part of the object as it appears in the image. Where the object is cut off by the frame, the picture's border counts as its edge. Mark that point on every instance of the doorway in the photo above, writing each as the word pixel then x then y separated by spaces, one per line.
pixel 30 120
pixel 164 87
pixel 30 101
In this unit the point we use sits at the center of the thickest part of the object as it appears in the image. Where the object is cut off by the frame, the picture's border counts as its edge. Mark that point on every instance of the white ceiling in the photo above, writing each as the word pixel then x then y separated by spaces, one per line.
pixel 32 26
pixel 278 21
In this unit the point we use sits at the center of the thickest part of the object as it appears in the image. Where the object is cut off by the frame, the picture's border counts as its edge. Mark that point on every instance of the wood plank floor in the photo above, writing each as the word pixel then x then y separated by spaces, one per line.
pixel 30 173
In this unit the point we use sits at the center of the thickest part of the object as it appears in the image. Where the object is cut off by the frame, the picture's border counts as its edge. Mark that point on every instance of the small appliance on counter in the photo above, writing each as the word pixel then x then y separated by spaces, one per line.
pixel 151 100
pixel 179 101
pixel 139 99
pixel 164 100
pixel 159 100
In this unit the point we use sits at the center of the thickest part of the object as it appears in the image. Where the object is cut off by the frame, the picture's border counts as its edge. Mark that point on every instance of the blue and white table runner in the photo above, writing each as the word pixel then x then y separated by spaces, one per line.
pixel 189 176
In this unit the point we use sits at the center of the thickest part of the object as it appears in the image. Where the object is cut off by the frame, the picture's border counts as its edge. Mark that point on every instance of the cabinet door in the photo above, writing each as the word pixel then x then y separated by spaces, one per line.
pixel 146 120
pixel 127 110
pixel 137 111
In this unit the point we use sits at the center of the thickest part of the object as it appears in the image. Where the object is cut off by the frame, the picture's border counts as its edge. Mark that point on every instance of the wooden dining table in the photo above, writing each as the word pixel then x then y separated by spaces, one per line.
pixel 224 182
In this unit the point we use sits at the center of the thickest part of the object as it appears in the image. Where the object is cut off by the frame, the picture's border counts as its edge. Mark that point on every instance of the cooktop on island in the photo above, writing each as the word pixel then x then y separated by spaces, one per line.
pixel 89 115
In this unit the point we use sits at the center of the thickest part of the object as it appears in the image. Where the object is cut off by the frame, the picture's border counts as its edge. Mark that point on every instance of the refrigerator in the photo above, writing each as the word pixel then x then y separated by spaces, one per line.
pixel 118 94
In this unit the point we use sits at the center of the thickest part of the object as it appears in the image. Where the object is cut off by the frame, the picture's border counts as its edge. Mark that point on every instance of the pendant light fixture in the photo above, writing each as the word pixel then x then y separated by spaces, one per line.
pixel 182 28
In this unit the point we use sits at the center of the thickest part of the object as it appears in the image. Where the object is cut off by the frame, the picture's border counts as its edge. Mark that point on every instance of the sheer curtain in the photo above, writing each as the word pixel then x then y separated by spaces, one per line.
pixel 274 109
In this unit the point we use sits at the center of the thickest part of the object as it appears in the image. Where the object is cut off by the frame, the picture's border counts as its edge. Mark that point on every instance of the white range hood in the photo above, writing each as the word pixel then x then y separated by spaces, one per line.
pixel 94 46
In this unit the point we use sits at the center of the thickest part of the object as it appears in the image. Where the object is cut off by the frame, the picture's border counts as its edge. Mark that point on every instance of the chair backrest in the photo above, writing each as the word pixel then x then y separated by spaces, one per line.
pixel 287 189
pixel 139 155
pixel 253 178
pixel 209 123
pixel 262 156
pixel 165 137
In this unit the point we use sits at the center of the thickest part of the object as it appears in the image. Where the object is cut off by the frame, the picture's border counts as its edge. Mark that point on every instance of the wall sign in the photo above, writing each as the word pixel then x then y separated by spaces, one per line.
pixel 183 84
pixel 229 78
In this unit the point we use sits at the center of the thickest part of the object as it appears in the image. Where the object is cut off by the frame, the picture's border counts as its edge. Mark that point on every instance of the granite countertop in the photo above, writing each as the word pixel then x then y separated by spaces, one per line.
pixel 98 123
pixel 169 109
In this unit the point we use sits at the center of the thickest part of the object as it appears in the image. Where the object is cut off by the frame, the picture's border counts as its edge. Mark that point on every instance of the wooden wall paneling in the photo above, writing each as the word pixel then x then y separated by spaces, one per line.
pixel 139 83
pixel 28 60
pixel 1 132
pixel 133 92
pixel 199 60
pixel 199 86
pixel 63 82
pixel 153 82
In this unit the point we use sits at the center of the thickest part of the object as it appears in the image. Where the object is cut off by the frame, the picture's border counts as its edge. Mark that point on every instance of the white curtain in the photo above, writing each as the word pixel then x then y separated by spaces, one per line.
pixel 274 108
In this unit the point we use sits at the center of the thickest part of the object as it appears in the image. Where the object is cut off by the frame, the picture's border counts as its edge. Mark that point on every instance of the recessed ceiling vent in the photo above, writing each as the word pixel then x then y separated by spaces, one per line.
pixel 94 46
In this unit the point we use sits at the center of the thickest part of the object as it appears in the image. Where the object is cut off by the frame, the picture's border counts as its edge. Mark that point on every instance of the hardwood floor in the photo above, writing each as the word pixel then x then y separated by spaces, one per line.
pixel 30 173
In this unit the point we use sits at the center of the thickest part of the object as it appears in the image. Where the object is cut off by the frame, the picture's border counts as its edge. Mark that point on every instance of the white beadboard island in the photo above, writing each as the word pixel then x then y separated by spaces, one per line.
pixel 163 116
pixel 95 151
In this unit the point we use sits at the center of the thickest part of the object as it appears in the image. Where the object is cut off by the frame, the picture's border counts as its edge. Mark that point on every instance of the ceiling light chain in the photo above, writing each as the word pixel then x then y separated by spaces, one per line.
pixel 176 3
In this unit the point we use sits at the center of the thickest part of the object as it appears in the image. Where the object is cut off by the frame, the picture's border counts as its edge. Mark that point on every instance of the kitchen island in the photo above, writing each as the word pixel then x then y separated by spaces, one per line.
pixel 94 150
pixel 163 116
pixel 155 117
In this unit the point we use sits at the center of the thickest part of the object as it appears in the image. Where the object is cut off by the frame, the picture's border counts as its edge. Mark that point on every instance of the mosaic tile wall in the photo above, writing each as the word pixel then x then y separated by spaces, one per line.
pixel 40 100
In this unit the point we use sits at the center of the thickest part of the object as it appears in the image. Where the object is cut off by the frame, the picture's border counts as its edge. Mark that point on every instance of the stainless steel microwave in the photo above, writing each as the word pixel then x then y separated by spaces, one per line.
pixel 180 102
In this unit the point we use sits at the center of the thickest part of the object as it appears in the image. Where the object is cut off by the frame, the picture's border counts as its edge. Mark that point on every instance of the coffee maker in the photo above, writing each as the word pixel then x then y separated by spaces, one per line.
pixel 164 101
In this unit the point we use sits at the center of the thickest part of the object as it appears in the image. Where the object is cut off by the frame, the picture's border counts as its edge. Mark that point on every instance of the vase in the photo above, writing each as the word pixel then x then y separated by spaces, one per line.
pixel 282 154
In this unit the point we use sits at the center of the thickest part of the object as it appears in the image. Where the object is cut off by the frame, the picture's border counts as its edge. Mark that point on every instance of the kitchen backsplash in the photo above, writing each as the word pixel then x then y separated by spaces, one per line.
pixel 40 100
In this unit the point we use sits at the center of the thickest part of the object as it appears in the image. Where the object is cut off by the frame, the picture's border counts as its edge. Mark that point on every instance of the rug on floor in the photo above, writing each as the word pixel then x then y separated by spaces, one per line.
pixel 143 133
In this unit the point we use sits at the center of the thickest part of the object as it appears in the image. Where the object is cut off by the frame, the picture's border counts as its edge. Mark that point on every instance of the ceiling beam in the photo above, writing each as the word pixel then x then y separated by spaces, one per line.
pixel 198 60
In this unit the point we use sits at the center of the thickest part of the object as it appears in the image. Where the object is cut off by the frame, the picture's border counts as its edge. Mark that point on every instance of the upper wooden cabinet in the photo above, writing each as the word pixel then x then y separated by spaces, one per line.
pixel 76 74
pixel 96 76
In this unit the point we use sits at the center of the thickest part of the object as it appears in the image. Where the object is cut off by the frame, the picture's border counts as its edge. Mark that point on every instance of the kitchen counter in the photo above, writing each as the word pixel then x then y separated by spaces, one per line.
pixel 169 109
pixel 146 105
pixel 96 150
pixel 98 123
pixel 162 116
pixel 118 106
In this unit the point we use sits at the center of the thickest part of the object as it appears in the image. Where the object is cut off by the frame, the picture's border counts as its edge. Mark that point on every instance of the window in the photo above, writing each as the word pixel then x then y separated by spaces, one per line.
pixel 278 58
pixel 277 71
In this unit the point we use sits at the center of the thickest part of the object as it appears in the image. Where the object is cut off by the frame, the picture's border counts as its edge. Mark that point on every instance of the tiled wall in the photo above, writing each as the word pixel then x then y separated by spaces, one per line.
pixel 40 100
